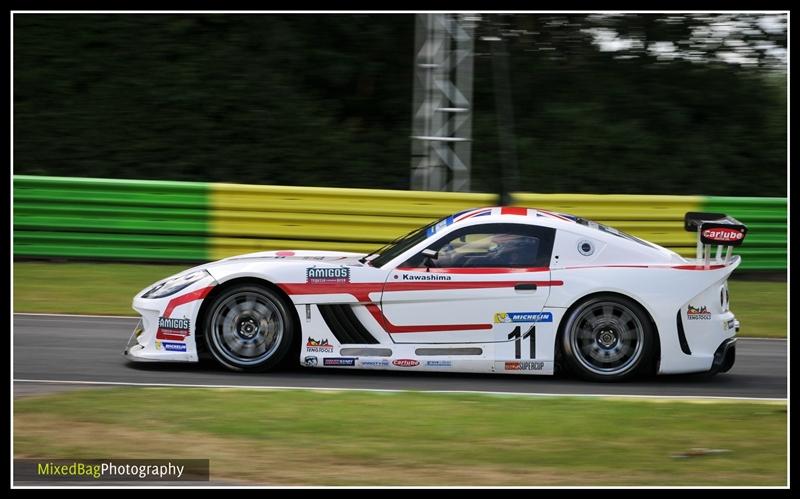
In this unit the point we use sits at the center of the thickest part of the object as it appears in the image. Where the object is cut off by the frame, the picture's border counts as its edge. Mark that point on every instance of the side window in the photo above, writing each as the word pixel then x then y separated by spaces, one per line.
pixel 490 245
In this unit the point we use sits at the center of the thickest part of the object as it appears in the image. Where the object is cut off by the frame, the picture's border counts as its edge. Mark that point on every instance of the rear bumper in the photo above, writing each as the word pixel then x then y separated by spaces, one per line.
pixel 725 355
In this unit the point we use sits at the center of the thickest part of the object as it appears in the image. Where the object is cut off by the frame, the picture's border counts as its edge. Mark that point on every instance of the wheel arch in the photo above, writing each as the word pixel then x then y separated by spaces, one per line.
pixel 559 352
pixel 237 281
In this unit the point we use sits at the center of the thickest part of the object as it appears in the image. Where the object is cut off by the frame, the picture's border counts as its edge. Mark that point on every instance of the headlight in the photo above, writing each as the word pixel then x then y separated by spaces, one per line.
pixel 175 284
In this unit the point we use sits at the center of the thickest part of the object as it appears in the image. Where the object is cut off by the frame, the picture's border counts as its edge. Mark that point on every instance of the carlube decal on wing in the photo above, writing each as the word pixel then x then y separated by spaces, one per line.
pixel 723 234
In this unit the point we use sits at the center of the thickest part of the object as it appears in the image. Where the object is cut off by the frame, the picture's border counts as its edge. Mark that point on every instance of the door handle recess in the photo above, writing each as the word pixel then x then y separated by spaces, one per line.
pixel 525 287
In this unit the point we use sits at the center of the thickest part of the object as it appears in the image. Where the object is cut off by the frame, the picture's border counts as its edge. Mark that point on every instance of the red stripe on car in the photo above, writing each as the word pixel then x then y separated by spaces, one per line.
pixel 697 267
pixel 187 298
pixel 361 292
pixel 475 270
pixel 678 267
pixel 420 328
pixel 365 288
pixel 439 285
pixel 165 335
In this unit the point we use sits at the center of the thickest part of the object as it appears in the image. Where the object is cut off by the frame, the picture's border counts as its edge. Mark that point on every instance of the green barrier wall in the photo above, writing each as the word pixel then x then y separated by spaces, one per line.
pixel 766 243
pixel 109 219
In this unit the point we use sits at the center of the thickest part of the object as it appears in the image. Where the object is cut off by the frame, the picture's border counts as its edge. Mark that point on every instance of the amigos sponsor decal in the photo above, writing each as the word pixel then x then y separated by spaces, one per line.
pixel 173 329
pixel 328 275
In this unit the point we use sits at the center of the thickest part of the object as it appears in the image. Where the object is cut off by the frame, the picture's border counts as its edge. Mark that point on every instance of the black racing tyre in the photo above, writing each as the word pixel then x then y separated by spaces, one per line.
pixel 608 338
pixel 248 328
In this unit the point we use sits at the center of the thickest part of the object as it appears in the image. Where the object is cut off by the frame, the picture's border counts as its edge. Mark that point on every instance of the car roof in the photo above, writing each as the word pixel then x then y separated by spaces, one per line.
pixel 495 214
pixel 512 211
pixel 538 216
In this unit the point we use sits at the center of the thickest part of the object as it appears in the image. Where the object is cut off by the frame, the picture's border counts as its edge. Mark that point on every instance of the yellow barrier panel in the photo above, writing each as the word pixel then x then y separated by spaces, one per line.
pixel 231 246
pixel 247 218
pixel 658 219
pixel 425 204
pixel 600 207
pixel 310 226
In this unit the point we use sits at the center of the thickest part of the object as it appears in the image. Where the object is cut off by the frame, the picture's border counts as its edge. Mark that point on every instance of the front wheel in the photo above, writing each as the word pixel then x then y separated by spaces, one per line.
pixel 248 328
pixel 608 338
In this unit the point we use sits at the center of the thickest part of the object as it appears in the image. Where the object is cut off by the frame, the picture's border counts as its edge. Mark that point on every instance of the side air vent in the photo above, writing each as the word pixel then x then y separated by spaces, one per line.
pixel 682 336
pixel 449 351
pixel 344 324
pixel 365 352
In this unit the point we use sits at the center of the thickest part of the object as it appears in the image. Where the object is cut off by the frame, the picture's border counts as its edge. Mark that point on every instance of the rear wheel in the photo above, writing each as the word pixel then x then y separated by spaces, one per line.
pixel 249 328
pixel 608 338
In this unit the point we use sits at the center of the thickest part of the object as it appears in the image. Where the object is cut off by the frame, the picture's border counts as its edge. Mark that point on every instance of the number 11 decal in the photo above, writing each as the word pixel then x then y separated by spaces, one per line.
pixel 518 337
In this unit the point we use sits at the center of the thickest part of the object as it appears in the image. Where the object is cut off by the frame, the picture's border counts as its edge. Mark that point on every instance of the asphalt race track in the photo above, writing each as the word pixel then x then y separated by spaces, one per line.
pixel 74 348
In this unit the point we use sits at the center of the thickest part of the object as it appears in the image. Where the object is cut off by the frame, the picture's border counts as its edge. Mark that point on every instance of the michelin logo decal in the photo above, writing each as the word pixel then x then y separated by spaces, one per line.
pixel 509 317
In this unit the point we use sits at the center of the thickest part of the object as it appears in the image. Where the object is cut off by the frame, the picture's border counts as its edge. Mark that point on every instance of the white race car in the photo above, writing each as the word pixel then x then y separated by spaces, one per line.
pixel 489 290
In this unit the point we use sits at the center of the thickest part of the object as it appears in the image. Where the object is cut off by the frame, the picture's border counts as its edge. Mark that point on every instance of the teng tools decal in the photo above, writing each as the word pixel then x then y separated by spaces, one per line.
pixel 313 345
pixel 698 313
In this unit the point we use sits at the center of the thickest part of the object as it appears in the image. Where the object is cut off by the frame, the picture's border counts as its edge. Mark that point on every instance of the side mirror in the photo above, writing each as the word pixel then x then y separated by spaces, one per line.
pixel 429 253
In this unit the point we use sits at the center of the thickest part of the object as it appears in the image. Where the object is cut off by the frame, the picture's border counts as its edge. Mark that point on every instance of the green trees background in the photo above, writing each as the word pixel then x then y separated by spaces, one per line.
pixel 326 100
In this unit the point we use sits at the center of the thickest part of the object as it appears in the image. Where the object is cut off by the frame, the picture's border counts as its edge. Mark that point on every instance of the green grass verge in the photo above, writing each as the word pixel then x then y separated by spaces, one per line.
pixel 761 307
pixel 83 288
pixel 107 289
pixel 351 438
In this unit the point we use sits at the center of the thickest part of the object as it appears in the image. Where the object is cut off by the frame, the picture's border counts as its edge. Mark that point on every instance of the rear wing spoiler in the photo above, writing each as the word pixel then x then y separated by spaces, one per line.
pixel 714 228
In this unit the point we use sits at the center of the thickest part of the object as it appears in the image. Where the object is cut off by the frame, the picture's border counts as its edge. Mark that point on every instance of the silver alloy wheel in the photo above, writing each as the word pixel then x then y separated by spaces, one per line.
pixel 247 328
pixel 607 338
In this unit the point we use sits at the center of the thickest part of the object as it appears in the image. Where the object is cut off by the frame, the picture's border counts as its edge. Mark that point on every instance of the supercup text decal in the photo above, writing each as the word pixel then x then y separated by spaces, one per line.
pixel 328 275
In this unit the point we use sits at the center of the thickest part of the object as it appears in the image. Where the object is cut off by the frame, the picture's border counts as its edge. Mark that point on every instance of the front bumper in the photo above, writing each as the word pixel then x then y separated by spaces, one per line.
pixel 167 329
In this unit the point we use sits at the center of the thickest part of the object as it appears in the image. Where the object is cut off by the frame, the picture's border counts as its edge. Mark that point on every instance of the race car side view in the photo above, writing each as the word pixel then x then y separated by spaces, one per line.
pixel 488 290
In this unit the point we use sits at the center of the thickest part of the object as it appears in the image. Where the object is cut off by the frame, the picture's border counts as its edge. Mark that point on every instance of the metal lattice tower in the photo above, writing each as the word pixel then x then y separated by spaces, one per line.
pixel 442 119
